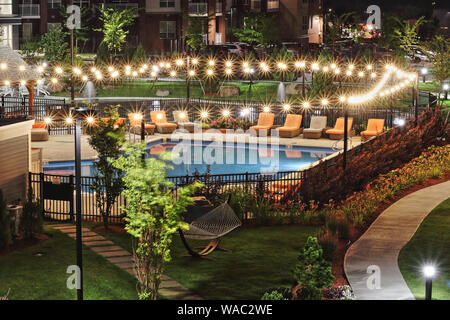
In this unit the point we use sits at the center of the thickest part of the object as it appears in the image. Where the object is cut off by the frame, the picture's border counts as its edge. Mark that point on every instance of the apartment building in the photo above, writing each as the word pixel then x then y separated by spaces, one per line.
pixel 10 23
pixel 162 24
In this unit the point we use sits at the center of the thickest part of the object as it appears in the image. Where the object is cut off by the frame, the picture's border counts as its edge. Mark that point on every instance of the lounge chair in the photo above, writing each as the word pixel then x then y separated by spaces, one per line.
pixel 160 120
pixel 337 133
pixel 135 120
pixel 39 132
pixel 182 120
pixel 318 123
pixel 265 123
pixel 374 128
pixel 291 126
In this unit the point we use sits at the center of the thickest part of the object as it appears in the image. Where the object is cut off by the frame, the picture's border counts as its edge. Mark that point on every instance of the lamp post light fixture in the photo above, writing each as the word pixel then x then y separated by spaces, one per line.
pixel 429 272
pixel 424 72
pixel 446 86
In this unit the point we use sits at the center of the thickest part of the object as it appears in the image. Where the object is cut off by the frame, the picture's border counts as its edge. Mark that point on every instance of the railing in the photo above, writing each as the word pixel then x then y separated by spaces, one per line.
pixel 198 9
pixel 58 110
pixel 30 10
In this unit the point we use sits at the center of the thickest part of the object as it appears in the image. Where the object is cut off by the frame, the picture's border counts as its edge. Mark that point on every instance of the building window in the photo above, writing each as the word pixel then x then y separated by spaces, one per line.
pixel 81 3
pixel 27 31
pixel 167 29
pixel 6 7
pixel 54 4
pixel 167 3
pixel 305 21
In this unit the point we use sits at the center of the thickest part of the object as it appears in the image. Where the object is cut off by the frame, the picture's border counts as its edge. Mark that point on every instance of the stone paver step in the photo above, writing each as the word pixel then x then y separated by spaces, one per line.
pixel 106 248
pixel 121 259
pixel 169 284
pixel 125 265
pixel 93 238
pixel 98 243
pixel 174 292
pixel 84 234
pixel 73 230
pixel 119 253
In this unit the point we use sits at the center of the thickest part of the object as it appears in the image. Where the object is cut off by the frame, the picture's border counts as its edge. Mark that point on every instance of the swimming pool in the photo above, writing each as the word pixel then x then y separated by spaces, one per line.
pixel 218 158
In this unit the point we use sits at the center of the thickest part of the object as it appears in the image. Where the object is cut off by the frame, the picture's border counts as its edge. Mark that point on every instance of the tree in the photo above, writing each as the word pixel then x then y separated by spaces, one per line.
pixel 106 138
pixel 438 51
pixel 31 220
pixel 334 28
pixel 405 35
pixel 196 28
pixel 83 34
pixel 323 81
pixel 312 271
pixel 257 29
pixel 54 45
pixel 153 214
pixel 5 224
pixel 115 24
pixel 139 55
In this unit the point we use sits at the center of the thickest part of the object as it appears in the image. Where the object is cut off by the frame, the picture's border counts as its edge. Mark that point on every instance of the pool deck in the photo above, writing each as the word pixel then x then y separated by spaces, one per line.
pixel 61 147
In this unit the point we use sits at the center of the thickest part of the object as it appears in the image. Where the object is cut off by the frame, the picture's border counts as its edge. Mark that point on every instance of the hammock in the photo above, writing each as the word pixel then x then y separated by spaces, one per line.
pixel 209 226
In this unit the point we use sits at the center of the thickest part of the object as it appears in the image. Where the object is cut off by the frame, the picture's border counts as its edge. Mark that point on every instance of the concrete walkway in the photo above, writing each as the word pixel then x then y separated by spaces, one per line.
pixel 169 288
pixel 381 244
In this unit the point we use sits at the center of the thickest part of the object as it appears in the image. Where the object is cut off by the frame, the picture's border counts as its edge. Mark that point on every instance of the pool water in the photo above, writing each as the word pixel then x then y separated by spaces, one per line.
pixel 191 157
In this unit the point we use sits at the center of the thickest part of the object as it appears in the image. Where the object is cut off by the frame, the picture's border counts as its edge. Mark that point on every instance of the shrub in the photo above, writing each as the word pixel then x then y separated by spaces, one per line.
pixel 329 248
pixel 139 56
pixel 240 202
pixel 312 271
pixel 285 292
pixel 31 221
pixel 308 293
pixel 331 225
pixel 436 173
pixel 5 224
pixel 262 210
pixel 339 293
pixel 273 295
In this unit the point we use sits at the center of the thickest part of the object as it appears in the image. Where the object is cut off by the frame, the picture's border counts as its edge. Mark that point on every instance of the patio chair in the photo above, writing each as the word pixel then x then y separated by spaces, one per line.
pixel 23 91
pixel 318 123
pixel 6 91
pixel 160 120
pixel 291 126
pixel 337 133
pixel 374 128
pixel 265 123
pixel 135 124
pixel 182 120
pixel 41 88
pixel 39 132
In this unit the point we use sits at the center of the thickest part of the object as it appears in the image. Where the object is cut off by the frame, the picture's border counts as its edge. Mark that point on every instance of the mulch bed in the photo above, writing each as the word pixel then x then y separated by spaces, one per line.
pixel 355 233
pixel 21 244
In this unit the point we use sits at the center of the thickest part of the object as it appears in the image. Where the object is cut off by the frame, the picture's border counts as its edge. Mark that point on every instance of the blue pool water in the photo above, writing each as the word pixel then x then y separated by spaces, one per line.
pixel 189 157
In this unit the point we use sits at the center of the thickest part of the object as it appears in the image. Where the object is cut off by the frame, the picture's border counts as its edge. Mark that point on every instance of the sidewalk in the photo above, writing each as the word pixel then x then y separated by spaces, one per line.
pixel 380 245
pixel 169 288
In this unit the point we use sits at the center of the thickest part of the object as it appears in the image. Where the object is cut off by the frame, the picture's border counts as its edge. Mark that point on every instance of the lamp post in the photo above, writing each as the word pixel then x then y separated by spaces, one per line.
pixel 445 87
pixel 79 112
pixel 416 103
pixel 188 82
pixel 344 156
pixel 424 72
pixel 429 272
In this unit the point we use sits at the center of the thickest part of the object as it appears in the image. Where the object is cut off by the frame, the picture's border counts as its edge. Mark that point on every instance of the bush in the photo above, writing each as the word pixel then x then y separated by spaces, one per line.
pixel 262 210
pixel 285 292
pixel 103 54
pixel 329 248
pixel 240 202
pixel 436 173
pixel 31 221
pixel 5 224
pixel 339 293
pixel 273 295
pixel 139 56
pixel 308 293
pixel 312 271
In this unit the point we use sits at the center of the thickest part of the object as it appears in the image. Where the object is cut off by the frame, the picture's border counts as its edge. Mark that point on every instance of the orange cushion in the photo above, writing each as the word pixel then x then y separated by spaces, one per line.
pixel 288 129
pixel 293 120
pixel 167 125
pixel 334 131
pixel 38 125
pixel 260 127
pixel 266 119
pixel 369 133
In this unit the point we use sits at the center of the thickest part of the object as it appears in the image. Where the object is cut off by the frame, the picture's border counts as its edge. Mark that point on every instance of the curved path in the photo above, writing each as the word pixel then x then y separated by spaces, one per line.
pixel 380 246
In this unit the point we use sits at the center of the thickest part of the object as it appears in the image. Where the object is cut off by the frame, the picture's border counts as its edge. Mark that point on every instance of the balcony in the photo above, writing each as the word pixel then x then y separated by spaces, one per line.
pixel 30 10
pixel 198 9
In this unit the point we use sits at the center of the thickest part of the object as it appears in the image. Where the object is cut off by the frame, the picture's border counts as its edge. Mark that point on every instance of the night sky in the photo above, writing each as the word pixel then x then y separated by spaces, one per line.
pixel 407 9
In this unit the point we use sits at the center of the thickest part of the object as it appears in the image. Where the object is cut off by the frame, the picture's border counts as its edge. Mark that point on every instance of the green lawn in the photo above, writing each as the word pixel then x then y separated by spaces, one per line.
pixel 261 258
pixel 259 91
pixel 431 242
pixel 35 277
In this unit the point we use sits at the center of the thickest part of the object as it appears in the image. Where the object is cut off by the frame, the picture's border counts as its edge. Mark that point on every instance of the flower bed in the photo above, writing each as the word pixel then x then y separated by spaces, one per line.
pixel 231 123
